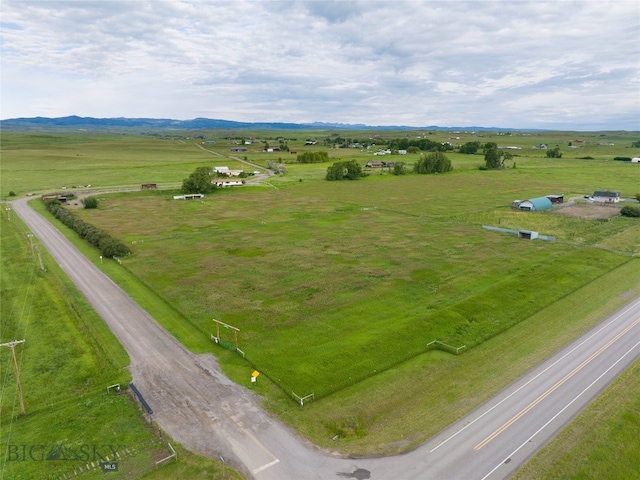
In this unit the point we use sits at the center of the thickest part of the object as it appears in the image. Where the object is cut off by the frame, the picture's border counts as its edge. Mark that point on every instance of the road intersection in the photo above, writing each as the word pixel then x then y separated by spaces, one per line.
pixel 208 414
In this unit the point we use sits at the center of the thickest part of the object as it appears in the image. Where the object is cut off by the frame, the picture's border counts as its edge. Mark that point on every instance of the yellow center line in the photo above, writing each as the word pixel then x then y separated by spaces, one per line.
pixel 554 387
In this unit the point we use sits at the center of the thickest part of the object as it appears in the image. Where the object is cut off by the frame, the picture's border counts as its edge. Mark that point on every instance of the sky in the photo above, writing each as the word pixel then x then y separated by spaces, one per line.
pixel 510 64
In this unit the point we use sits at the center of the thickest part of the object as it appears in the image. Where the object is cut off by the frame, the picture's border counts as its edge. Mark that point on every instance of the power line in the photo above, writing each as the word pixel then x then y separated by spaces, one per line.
pixel 12 345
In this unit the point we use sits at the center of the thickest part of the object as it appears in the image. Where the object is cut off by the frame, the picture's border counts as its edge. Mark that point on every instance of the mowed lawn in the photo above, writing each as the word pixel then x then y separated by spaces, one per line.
pixel 331 283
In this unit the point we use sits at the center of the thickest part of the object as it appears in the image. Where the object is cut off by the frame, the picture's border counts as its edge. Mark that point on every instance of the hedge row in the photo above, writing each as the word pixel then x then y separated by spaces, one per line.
pixel 108 246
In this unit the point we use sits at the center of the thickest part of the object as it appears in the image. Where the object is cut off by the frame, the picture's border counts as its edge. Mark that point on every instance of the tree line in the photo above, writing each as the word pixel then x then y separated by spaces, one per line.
pixel 105 243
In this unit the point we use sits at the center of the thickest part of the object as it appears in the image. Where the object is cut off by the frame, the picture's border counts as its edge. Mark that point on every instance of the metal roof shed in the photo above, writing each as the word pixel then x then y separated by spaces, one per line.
pixel 535 204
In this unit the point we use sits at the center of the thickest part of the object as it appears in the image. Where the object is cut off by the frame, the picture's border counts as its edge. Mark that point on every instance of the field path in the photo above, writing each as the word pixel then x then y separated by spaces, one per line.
pixel 208 414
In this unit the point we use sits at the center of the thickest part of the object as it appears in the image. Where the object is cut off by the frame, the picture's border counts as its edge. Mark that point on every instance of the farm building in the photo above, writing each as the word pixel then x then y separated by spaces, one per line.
pixel 605 196
pixel 374 165
pixel 556 198
pixel 239 149
pixel 528 234
pixel 149 186
pixel 228 183
pixel 189 196
pixel 534 204
pixel 635 160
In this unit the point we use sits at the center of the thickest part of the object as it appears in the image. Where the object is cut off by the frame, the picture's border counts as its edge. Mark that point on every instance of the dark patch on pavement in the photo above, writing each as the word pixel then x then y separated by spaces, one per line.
pixel 359 474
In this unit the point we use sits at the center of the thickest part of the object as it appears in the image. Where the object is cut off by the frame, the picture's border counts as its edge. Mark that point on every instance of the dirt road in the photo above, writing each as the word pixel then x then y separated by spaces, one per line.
pixel 200 408
pixel 191 399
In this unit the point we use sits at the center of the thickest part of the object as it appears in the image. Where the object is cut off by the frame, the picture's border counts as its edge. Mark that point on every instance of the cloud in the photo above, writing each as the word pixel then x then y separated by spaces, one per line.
pixel 512 64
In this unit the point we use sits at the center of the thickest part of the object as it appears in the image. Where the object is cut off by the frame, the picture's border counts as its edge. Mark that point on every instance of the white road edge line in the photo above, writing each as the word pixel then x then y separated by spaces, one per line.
pixel 264 467
pixel 560 412
pixel 534 378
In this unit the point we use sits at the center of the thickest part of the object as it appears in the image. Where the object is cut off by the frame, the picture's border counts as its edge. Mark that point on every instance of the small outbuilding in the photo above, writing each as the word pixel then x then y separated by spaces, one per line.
pixel 635 160
pixel 527 234
pixel 189 196
pixel 535 204
pixel 555 199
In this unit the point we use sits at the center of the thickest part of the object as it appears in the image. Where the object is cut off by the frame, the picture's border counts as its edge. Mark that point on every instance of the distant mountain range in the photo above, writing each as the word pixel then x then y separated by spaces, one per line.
pixel 202 123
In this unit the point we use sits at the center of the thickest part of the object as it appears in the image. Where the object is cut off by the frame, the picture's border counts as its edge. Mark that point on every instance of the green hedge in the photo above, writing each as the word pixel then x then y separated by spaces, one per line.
pixel 108 246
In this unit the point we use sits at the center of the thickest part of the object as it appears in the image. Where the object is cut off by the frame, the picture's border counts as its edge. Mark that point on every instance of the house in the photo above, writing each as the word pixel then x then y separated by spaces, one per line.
pixel 535 204
pixel 228 183
pixel 605 196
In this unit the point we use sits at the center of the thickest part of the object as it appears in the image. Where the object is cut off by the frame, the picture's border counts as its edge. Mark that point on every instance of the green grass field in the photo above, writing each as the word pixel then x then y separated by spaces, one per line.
pixel 68 359
pixel 338 287
pixel 330 283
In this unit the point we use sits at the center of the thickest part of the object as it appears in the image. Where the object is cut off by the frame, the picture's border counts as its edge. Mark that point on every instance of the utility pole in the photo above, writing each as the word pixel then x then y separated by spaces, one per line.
pixel 12 345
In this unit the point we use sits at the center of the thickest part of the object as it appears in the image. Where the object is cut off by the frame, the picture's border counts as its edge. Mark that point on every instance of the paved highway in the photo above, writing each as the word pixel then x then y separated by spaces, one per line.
pixel 210 415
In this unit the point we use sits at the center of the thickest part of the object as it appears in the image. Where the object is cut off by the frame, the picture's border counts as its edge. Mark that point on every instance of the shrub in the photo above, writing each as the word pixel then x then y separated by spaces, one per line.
pixel 90 202
pixel 12 193
pixel 554 153
pixel 630 211
pixel 622 159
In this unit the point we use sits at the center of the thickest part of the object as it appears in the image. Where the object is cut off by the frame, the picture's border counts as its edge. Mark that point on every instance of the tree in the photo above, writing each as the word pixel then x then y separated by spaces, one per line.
pixel 635 144
pixel 312 157
pixel 554 153
pixel 335 171
pixel 492 155
pixel 470 148
pixel 354 170
pixel 399 168
pixel 350 170
pixel 198 182
pixel 90 202
pixel 435 162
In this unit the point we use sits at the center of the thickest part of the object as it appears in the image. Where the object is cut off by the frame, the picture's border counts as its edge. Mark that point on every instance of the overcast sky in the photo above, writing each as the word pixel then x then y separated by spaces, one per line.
pixel 556 65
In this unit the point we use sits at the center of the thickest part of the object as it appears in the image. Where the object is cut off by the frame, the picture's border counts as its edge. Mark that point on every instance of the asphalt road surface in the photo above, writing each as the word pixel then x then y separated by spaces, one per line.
pixel 208 414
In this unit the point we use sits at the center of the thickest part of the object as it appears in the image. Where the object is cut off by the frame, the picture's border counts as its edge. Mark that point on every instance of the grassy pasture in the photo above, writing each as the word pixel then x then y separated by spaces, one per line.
pixel 367 273
pixel 68 359
pixel 46 162
pixel 307 272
